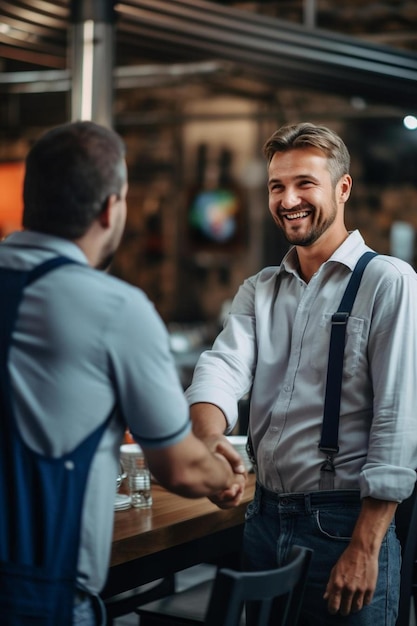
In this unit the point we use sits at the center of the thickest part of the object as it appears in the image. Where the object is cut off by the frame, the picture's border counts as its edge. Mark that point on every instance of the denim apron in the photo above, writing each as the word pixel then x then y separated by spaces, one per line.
pixel 41 498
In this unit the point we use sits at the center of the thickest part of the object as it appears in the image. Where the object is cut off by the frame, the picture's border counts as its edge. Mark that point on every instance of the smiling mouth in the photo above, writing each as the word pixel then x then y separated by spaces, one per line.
pixel 296 216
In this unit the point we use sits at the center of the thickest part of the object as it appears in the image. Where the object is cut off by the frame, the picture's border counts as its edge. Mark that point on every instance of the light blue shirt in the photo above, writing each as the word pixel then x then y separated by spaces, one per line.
pixel 85 345
pixel 275 343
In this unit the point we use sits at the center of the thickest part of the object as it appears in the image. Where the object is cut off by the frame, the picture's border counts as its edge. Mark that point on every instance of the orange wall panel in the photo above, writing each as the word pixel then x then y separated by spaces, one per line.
pixel 11 196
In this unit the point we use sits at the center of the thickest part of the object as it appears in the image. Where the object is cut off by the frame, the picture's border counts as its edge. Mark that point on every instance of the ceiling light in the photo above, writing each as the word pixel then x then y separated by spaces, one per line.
pixel 410 122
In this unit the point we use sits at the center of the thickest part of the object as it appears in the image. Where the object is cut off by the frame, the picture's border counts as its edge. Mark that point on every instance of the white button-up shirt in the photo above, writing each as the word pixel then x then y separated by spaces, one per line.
pixel 275 344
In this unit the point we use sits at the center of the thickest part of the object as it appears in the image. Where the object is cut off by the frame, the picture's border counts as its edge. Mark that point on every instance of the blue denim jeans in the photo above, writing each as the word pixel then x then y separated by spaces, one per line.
pixel 90 612
pixel 275 523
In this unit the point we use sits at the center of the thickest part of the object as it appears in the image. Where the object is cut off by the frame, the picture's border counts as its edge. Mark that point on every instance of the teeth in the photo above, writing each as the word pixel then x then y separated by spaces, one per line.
pixel 294 216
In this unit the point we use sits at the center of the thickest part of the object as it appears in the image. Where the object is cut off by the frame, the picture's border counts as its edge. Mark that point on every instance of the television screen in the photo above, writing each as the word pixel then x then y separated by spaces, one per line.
pixel 214 219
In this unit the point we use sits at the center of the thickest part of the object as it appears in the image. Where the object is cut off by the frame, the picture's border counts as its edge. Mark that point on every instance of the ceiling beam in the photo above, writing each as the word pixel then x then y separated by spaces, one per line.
pixel 274 49
pixel 274 52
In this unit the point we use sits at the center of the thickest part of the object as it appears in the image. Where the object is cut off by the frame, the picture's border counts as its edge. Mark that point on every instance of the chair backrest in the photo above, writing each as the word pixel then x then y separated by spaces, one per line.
pixel 281 589
pixel 406 523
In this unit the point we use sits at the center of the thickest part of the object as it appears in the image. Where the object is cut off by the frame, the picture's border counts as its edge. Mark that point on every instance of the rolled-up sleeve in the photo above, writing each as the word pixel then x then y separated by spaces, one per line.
pixel 392 455
pixel 224 374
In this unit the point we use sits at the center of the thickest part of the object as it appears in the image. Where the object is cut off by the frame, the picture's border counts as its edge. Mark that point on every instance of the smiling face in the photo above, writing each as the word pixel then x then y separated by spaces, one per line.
pixel 303 201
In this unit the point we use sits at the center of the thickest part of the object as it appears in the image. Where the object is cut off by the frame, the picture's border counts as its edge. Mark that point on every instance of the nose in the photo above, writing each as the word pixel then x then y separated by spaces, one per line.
pixel 289 199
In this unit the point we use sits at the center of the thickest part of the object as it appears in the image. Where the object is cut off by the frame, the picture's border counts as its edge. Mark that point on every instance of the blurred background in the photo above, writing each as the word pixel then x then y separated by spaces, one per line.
pixel 195 87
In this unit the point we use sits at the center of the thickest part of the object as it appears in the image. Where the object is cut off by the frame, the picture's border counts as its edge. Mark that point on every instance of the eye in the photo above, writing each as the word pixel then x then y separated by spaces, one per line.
pixel 306 183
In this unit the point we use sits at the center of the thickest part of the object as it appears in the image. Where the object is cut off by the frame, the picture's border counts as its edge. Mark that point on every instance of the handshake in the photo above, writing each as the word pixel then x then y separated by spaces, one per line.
pixel 223 448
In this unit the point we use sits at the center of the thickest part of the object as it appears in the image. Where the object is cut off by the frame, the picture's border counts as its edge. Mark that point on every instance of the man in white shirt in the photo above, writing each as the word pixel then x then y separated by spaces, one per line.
pixel 275 345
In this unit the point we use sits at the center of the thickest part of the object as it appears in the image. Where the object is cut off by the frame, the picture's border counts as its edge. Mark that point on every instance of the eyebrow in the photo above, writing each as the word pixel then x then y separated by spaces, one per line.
pixel 298 177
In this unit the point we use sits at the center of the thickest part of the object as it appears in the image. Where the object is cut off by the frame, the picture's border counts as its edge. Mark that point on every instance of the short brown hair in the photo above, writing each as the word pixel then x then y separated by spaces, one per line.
pixel 71 171
pixel 306 135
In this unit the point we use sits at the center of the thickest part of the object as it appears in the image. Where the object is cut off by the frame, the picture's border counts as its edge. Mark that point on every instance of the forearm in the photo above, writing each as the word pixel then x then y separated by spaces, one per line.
pixel 208 420
pixel 372 525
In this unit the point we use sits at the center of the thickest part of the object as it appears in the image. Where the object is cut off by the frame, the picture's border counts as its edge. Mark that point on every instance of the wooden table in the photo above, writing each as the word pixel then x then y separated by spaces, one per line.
pixel 174 534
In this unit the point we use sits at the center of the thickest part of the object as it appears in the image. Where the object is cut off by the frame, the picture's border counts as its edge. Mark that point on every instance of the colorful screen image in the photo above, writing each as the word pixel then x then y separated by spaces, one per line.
pixel 213 215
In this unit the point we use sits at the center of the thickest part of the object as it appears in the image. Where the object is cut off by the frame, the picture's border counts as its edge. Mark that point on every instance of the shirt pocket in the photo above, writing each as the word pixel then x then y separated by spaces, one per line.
pixel 319 354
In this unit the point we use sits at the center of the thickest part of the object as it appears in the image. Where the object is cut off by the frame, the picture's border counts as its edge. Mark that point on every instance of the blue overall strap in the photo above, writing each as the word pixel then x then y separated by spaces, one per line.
pixel 12 284
pixel 41 498
pixel 330 428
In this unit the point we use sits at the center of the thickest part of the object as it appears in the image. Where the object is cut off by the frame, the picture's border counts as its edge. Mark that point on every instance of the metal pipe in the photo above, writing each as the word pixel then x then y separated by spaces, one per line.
pixel 309 13
pixel 92 60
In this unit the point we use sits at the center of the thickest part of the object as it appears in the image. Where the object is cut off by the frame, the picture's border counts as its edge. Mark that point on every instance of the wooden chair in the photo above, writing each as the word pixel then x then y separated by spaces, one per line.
pixel 221 602
pixel 406 522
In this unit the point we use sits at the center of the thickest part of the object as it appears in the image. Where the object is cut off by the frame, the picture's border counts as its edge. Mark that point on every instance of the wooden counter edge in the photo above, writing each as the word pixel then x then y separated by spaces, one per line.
pixel 183 531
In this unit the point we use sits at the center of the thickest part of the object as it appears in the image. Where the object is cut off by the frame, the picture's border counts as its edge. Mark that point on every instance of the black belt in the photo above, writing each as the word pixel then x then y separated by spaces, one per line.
pixel 314 498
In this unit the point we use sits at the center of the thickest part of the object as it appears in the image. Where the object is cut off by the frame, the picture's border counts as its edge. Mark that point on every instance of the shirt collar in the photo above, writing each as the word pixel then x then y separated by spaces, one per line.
pixel 348 253
pixel 58 245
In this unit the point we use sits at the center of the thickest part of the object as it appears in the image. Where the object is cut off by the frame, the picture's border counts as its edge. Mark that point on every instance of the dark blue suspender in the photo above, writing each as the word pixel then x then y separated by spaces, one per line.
pixel 330 429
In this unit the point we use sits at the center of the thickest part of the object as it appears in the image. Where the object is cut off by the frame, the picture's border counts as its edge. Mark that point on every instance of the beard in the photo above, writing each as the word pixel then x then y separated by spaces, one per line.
pixel 304 238
pixel 105 263
pixel 109 249
pixel 107 253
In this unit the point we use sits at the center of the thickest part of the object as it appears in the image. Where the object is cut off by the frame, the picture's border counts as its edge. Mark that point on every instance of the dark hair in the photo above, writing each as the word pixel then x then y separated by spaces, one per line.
pixel 308 135
pixel 70 173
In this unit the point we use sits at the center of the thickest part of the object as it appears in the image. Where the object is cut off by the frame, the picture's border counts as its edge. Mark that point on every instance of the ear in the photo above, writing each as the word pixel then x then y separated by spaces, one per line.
pixel 104 216
pixel 345 186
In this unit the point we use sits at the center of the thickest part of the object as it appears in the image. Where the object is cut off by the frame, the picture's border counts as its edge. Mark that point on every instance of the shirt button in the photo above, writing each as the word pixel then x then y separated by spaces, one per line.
pixel 287 388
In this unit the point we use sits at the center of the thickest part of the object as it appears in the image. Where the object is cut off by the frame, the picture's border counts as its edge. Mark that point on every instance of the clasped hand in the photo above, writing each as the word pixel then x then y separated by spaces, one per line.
pixel 231 497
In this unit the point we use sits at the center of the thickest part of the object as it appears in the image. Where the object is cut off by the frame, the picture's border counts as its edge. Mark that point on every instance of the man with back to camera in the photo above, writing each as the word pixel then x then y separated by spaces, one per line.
pixel 83 356
pixel 275 344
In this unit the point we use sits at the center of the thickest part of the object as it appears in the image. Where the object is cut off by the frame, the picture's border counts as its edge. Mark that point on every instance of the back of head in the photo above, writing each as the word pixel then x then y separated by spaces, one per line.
pixel 70 173
pixel 307 135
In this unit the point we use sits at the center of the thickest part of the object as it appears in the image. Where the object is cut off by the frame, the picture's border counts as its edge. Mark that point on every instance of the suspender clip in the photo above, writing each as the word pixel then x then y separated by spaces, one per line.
pixel 329 451
pixel 340 317
pixel 327 474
